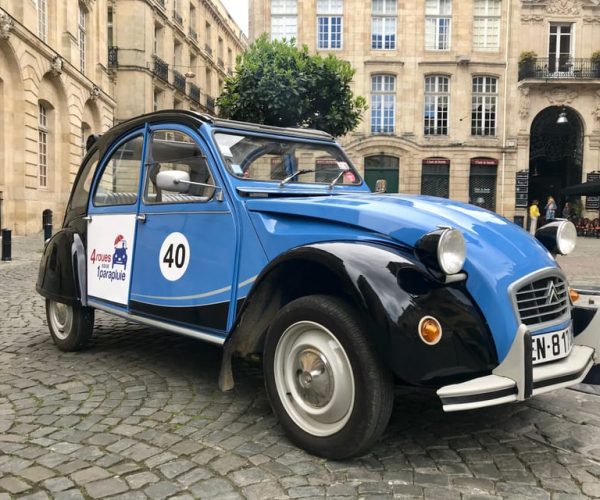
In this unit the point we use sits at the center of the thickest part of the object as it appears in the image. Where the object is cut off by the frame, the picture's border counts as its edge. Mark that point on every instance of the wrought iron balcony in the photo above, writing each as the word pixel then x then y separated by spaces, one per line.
pixel 208 49
pixel 161 68
pixel 194 92
pixel 113 57
pixel 229 71
pixel 210 103
pixel 221 63
pixel 179 81
pixel 161 3
pixel 563 68
pixel 193 34
pixel 177 18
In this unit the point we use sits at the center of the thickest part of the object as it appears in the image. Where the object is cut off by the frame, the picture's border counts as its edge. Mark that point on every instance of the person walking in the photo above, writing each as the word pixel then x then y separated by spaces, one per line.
pixel 566 212
pixel 550 209
pixel 534 213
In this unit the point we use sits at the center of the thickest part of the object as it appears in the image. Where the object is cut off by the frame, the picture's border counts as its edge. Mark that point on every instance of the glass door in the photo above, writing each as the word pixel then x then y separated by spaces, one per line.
pixel 559 48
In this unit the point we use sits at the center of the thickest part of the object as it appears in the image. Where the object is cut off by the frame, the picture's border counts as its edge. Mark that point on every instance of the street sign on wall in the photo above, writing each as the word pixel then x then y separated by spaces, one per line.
pixel 522 188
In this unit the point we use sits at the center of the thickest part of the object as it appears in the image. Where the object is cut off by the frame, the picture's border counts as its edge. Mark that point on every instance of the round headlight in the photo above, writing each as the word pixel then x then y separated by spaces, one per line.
pixel 451 251
pixel 566 237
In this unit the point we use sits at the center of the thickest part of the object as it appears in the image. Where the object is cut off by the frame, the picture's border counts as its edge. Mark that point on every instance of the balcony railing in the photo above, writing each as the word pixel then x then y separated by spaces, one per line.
pixel 208 49
pixel 194 92
pixel 113 57
pixel 229 71
pixel 566 68
pixel 177 18
pixel 179 81
pixel 220 63
pixel 161 3
pixel 161 68
pixel 210 103
pixel 193 34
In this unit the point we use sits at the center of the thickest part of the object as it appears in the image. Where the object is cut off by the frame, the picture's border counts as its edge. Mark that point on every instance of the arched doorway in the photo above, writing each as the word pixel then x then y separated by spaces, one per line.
pixel 555 153
pixel 382 167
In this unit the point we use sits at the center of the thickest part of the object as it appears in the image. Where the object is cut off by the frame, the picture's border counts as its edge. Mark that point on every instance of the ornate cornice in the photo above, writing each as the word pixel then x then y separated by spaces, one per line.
pixel 560 95
pixel 564 7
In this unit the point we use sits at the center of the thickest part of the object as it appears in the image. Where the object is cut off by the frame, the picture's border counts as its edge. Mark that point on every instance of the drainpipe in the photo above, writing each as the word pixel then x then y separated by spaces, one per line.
pixel 505 118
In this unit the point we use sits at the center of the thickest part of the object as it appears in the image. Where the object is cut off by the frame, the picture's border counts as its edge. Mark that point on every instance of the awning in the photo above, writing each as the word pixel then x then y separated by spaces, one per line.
pixel 591 188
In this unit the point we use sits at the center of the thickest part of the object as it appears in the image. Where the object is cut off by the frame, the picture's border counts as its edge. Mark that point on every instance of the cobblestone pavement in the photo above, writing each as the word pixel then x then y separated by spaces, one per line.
pixel 139 415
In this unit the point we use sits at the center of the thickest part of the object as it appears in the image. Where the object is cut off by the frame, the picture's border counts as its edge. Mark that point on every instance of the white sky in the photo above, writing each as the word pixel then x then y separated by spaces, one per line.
pixel 239 11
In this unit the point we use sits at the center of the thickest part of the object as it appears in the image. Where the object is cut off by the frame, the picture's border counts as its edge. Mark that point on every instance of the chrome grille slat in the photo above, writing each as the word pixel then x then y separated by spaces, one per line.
pixel 542 300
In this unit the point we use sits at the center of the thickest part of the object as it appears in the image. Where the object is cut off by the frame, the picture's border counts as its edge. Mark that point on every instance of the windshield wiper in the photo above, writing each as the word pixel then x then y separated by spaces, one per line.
pixel 334 181
pixel 294 175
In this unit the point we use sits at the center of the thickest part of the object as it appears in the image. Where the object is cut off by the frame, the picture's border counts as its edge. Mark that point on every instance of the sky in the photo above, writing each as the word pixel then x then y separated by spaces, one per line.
pixel 239 11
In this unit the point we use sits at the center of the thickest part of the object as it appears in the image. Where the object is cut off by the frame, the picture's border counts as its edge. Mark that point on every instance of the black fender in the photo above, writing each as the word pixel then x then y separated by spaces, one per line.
pixel 61 276
pixel 392 290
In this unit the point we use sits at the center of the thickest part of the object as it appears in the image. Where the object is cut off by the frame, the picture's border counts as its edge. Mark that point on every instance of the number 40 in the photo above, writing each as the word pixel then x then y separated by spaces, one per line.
pixel 178 258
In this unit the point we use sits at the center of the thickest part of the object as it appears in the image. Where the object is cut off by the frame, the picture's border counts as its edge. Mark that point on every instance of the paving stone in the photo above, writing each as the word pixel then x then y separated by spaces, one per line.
pixel 106 487
pixel 161 490
pixel 90 474
pixel 13 485
pixel 141 479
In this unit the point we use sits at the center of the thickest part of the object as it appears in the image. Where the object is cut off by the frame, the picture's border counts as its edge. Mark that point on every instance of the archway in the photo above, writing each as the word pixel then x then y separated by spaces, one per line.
pixel 555 153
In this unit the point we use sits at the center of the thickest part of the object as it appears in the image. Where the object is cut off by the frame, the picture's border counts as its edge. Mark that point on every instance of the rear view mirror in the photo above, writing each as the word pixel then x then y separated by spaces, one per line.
pixel 173 180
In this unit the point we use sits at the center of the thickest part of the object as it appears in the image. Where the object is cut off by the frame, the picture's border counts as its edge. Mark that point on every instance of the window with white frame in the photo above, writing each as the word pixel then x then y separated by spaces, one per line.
pixel 383 103
pixel 42 11
pixel 437 97
pixel 329 24
pixel 483 107
pixel 486 25
pixel 438 21
pixel 42 146
pixel 284 19
pixel 383 24
pixel 82 35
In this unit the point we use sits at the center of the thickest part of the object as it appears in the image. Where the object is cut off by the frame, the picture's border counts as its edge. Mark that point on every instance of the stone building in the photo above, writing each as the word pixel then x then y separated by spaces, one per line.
pixel 54 91
pixel 449 112
pixel 170 53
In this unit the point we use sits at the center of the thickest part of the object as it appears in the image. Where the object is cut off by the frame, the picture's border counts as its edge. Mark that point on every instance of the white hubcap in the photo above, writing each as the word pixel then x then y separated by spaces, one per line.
pixel 314 379
pixel 61 319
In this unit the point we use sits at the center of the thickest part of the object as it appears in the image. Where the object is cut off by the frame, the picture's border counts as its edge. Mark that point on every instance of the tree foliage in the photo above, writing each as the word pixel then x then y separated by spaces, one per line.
pixel 276 83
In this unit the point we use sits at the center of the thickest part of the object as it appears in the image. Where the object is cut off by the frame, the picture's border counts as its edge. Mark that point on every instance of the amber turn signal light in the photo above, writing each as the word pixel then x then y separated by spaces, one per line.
pixel 573 295
pixel 430 330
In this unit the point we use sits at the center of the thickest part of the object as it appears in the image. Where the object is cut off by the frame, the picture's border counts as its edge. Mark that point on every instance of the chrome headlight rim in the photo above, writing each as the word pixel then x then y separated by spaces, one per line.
pixel 451 236
pixel 566 237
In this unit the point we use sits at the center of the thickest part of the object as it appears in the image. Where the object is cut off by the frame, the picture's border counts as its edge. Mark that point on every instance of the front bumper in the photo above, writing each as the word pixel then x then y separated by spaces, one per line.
pixel 517 379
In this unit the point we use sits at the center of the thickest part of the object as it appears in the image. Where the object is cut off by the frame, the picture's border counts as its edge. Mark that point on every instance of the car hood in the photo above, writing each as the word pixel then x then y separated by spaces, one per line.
pixel 498 251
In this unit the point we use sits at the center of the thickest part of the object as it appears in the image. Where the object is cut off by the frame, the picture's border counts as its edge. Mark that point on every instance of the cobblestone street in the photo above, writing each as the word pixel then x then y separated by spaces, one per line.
pixel 139 415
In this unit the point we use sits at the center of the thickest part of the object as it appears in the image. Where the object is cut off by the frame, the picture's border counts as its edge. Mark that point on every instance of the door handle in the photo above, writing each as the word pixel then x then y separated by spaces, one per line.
pixel 141 217
pixel 88 218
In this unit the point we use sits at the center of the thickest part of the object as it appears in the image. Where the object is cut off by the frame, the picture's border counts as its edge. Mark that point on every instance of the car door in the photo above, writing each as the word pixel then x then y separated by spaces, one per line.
pixel 186 240
pixel 111 223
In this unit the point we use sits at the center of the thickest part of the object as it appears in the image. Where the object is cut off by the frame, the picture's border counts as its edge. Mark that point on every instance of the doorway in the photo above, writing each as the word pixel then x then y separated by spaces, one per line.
pixel 382 167
pixel 555 154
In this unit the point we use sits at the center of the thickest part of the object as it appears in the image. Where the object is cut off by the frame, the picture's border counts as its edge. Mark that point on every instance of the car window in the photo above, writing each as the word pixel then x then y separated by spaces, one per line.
pixel 120 178
pixel 81 191
pixel 176 151
pixel 268 159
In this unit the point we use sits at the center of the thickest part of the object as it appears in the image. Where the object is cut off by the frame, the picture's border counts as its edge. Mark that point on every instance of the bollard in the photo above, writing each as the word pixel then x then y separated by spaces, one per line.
pixel 47 232
pixel 6 244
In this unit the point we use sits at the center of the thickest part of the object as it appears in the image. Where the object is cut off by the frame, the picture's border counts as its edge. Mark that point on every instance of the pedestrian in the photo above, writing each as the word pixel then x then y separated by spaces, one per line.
pixel 534 213
pixel 566 212
pixel 550 209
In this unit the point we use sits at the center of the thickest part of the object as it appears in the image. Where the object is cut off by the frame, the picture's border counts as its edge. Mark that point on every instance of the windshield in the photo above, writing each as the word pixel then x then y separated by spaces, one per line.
pixel 268 159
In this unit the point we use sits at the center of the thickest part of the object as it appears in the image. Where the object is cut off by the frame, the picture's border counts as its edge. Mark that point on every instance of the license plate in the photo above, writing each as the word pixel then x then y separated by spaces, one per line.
pixel 551 346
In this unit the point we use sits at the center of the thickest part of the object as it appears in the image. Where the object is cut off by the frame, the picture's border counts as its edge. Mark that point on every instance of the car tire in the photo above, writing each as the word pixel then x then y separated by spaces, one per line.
pixel 324 380
pixel 70 326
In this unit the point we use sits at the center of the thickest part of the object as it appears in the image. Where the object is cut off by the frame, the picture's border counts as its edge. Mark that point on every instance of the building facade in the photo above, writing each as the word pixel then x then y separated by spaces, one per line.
pixel 170 54
pixel 450 114
pixel 54 92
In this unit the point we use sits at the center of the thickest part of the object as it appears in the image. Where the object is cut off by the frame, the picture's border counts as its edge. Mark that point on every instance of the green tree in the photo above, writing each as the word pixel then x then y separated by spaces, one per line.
pixel 276 83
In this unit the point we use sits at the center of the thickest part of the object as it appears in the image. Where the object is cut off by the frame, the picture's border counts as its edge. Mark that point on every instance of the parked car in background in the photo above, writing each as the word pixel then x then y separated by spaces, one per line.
pixel 267 241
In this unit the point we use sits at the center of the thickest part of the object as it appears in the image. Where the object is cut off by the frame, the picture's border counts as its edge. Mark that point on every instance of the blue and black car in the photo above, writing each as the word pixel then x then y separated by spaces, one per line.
pixel 267 241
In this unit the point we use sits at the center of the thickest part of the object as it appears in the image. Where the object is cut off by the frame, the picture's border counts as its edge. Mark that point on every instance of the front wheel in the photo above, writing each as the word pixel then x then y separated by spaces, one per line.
pixel 324 380
pixel 70 326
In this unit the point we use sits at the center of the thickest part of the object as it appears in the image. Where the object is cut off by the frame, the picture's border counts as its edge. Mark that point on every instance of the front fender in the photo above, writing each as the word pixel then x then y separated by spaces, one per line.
pixel 61 276
pixel 393 290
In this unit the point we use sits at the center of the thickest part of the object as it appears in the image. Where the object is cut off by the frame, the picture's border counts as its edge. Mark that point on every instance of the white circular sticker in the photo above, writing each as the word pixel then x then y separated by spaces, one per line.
pixel 174 256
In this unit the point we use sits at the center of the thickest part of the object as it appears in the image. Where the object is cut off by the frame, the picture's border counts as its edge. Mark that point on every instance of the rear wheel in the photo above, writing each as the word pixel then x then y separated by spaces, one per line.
pixel 70 326
pixel 325 382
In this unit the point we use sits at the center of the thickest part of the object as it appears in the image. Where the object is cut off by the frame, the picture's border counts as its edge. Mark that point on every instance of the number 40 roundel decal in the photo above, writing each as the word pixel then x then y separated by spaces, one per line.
pixel 174 256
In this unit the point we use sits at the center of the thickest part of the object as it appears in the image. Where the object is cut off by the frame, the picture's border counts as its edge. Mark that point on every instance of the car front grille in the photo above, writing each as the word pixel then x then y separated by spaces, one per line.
pixel 542 300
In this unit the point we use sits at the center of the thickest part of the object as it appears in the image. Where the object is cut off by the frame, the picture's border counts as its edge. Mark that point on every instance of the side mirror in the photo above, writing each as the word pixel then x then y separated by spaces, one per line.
pixel 381 186
pixel 173 180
